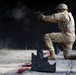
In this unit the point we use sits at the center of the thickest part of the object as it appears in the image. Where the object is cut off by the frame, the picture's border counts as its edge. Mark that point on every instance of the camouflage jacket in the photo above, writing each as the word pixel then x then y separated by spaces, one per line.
pixel 65 21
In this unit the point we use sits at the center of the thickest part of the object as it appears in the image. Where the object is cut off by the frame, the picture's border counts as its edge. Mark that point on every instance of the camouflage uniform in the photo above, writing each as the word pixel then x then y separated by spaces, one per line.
pixel 66 24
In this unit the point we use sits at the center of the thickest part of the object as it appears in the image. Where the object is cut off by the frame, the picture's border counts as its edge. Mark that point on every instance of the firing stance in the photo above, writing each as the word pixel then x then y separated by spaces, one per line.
pixel 66 37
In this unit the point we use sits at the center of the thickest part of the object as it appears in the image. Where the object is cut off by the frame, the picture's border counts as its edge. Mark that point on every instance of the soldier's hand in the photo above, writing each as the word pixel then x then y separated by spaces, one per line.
pixel 40 16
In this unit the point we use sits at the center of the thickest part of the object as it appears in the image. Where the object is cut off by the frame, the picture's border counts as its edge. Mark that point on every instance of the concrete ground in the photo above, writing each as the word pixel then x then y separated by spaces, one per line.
pixel 12 60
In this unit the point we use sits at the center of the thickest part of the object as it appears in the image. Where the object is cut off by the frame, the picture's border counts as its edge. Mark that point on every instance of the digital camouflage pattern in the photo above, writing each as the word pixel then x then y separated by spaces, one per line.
pixel 66 24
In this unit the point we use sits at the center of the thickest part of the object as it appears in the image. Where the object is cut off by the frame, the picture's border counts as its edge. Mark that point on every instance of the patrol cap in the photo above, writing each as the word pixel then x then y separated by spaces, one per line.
pixel 62 6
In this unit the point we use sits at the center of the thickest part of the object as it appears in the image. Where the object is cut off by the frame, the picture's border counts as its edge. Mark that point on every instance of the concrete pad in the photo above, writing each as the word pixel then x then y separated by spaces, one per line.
pixel 63 66
pixel 40 73
pixel 5 68
pixel 72 74
pixel 12 60
pixel 73 66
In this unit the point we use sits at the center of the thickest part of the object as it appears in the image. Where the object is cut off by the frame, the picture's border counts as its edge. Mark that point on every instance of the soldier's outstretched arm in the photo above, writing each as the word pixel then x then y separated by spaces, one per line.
pixel 50 18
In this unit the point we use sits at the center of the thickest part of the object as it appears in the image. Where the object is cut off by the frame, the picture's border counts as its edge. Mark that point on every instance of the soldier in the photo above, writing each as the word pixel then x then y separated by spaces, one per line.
pixel 66 24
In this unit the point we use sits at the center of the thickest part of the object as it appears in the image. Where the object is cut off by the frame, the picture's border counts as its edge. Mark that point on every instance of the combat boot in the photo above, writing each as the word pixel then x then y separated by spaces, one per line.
pixel 71 56
pixel 52 55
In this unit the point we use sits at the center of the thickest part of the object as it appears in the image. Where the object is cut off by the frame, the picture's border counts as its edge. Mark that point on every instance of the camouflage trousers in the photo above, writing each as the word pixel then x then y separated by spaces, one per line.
pixel 66 41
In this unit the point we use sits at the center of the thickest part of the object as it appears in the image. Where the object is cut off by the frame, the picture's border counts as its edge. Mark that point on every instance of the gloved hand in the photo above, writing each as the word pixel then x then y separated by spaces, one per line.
pixel 40 16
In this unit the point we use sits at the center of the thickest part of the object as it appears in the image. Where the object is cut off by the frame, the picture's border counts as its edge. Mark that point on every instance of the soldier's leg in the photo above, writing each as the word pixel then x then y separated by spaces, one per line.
pixel 67 48
pixel 67 51
pixel 49 39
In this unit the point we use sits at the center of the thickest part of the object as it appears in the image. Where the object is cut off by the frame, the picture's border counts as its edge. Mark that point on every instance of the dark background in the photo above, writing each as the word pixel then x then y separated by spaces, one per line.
pixel 19 26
